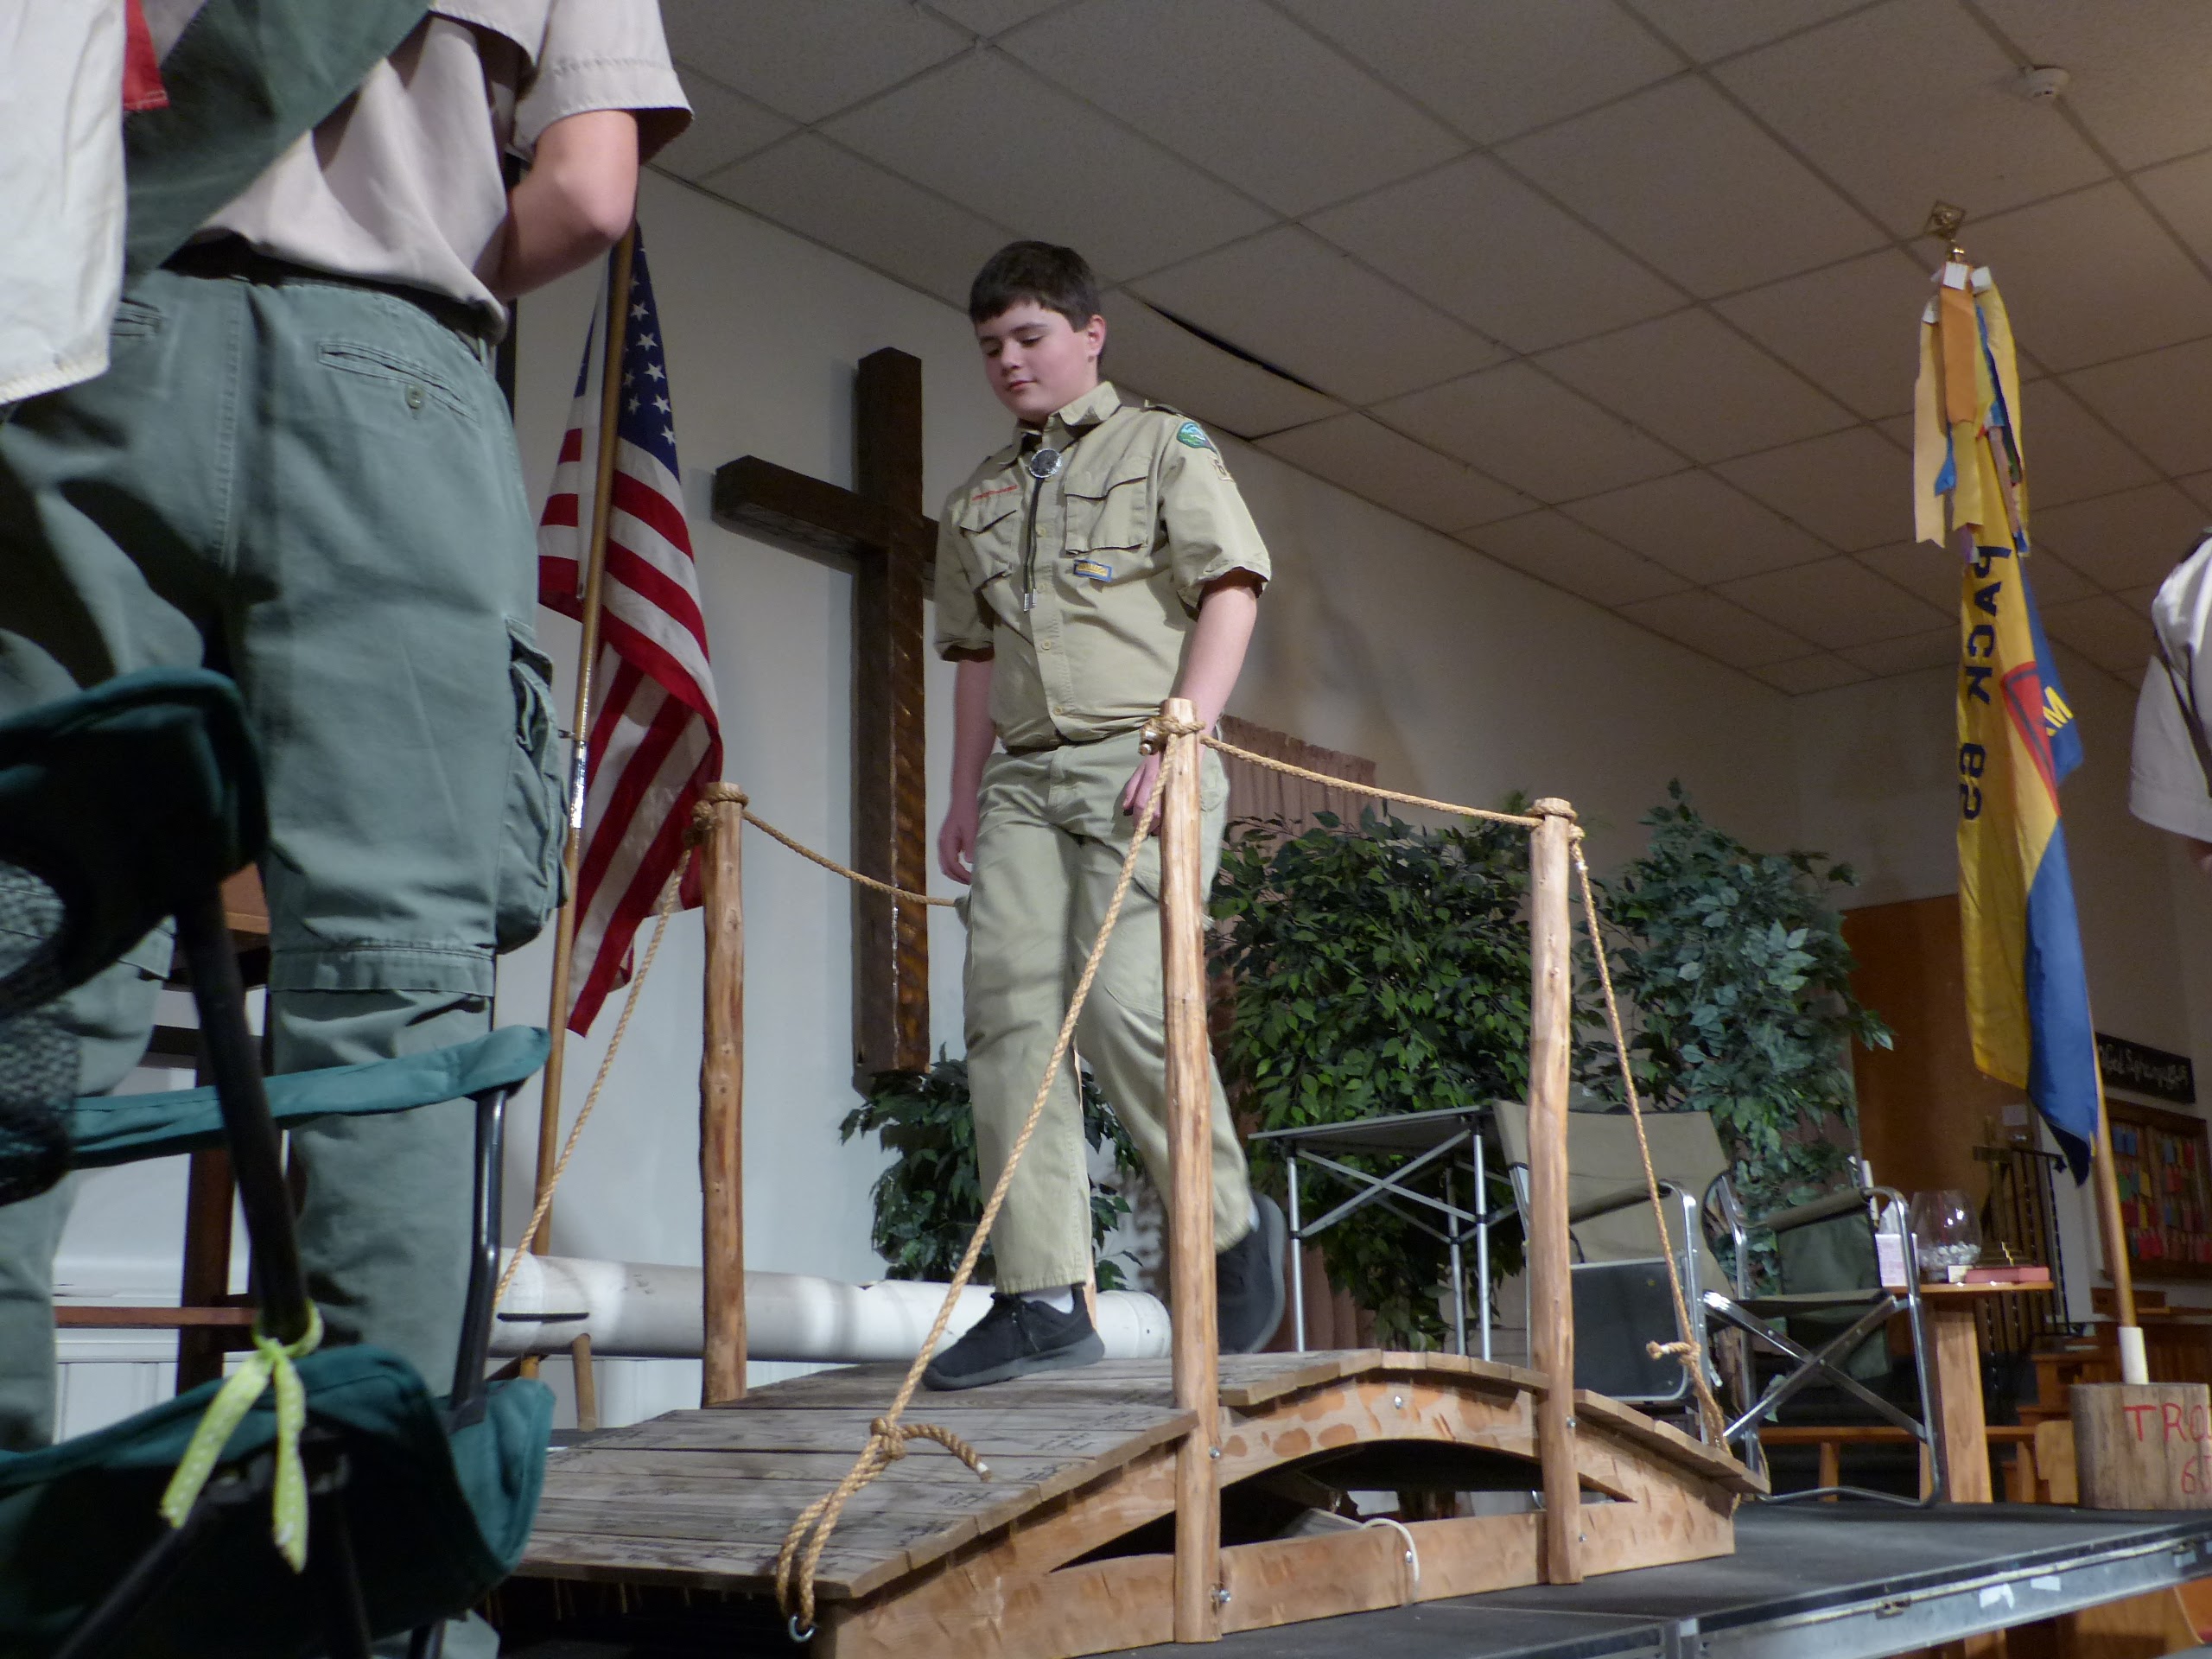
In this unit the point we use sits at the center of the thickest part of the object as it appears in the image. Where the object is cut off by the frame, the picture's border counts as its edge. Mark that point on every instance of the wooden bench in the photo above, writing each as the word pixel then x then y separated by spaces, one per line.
pixel 2025 1479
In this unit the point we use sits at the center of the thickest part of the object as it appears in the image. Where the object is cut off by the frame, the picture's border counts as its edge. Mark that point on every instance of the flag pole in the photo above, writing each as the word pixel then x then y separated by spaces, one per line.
pixel 564 924
pixel 2134 1366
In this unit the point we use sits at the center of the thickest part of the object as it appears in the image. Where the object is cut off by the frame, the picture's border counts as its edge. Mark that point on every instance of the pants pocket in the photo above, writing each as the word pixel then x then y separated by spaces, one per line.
pixel 534 821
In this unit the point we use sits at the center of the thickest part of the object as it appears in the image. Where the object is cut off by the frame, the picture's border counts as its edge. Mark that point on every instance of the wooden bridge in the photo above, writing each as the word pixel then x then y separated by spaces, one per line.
pixel 1070 1547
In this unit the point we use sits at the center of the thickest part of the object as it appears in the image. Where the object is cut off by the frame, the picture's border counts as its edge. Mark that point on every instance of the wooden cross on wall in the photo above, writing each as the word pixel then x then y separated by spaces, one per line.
pixel 878 531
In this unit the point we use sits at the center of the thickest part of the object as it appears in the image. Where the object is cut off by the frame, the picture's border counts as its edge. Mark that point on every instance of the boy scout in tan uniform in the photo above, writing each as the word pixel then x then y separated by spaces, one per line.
pixel 1073 567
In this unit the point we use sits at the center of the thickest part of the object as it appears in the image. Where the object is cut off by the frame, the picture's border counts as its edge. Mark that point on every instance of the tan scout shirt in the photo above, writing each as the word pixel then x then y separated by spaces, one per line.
pixel 2171 786
pixel 1141 516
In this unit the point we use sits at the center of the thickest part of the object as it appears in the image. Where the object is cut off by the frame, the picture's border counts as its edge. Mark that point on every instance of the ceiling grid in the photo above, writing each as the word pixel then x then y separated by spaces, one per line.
pixel 1620 293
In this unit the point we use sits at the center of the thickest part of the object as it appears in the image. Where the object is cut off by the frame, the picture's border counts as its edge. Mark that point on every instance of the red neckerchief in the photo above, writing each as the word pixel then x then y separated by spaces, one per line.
pixel 142 70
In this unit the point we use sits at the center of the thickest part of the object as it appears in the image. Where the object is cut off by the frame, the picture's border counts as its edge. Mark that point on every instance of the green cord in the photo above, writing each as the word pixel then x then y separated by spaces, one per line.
pixel 269 1365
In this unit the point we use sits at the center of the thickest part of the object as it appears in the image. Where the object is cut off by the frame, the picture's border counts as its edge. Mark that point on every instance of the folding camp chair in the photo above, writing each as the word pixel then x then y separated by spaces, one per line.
pixel 1622 1299
pixel 119 807
pixel 1828 1315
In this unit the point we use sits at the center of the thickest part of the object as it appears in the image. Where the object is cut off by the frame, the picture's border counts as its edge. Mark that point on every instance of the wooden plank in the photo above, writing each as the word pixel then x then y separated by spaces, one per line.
pixel 2142 1445
pixel 1033 1432
pixel 1286 1579
pixel 1247 1392
pixel 1955 1377
pixel 1668 1443
pixel 1117 1382
pixel 824 1469
pixel 95 1316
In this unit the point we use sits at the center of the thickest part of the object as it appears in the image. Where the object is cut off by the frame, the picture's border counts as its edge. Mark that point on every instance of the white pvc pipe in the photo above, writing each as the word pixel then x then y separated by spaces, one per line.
pixel 637 1310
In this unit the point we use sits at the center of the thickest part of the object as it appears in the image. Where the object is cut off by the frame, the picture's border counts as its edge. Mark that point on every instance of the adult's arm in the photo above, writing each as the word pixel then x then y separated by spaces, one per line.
pixel 574 204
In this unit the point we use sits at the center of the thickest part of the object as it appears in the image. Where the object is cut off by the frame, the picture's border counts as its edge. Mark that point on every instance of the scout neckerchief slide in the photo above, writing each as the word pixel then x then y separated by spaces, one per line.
pixel 269 1365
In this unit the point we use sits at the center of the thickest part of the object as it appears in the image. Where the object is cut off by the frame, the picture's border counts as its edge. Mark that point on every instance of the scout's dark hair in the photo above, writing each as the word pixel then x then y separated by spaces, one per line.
pixel 1055 278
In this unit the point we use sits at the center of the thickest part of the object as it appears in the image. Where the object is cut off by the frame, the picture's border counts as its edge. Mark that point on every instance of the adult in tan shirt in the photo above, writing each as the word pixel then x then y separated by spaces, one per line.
pixel 1098 565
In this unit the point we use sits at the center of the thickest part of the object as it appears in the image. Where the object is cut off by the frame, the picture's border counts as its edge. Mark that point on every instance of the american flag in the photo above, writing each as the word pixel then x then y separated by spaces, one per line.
pixel 655 736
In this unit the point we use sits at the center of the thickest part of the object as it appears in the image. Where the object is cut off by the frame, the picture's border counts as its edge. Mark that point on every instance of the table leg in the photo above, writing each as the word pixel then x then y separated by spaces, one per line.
pixel 1957 1373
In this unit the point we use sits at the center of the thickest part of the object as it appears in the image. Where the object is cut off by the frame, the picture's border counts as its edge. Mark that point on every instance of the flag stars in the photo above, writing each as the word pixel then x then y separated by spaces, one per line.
pixel 640 311
pixel 661 404
pixel 655 370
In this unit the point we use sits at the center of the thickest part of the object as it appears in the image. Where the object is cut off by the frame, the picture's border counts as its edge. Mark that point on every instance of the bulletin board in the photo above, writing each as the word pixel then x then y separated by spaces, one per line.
pixel 2164 1166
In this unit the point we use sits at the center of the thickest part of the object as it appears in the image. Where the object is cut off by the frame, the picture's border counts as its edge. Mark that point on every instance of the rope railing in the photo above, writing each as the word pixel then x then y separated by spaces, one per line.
pixel 1284 766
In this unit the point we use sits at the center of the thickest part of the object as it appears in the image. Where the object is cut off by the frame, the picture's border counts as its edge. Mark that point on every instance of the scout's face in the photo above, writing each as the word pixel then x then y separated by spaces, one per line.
pixel 1037 360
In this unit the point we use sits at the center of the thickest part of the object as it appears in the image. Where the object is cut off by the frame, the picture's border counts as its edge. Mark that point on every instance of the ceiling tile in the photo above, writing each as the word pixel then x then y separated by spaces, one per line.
pixel 990 16
pixel 1474 242
pixel 972 130
pixel 1919 567
pixel 2140 598
pixel 2071 454
pixel 1238 89
pixel 1724 632
pixel 807 58
pixel 808 184
pixel 2183 192
pixel 1835 603
pixel 1292 299
pixel 1908 102
pixel 2118 540
pixel 1938 648
pixel 1556 549
pixel 725 127
pixel 1803 674
pixel 1694 382
pixel 1698 527
pixel 2138 69
pixel 1714 29
pixel 2157 402
pixel 1852 489
pixel 1684 179
pixel 2107 633
pixel 1500 68
pixel 1391 470
pixel 1155 355
pixel 1529 432
pixel 2092 277
pixel 2199 488
pixel 1851 326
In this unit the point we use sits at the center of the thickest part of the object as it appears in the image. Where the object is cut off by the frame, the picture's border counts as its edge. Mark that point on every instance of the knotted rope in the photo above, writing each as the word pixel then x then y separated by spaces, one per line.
pixel 1688 1352
pixel 801 1555
pixel 269 1365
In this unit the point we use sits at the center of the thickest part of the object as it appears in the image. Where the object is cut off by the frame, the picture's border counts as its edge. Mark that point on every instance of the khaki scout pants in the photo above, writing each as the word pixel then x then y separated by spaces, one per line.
pixel 312 487
pixel 1048 850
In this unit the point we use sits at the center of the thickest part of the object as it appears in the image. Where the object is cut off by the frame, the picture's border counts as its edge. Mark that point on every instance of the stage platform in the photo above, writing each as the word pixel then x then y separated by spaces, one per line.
pixel 1826 1581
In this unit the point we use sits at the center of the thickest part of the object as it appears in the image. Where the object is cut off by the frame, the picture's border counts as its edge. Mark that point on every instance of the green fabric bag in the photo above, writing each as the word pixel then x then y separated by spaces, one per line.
pixel 436 1521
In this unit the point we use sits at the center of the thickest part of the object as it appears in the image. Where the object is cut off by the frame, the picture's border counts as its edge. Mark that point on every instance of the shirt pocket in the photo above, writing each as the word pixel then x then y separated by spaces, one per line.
pixel 1113 517
pixel 991 523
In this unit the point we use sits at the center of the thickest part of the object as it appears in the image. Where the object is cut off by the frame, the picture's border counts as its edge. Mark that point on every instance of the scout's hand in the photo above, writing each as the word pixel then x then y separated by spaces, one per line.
pixel 1139 791
pixel 956 843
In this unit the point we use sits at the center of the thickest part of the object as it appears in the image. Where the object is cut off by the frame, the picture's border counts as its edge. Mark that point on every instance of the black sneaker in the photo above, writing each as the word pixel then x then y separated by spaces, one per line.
pixel 1017 1337
pixel 1249 1293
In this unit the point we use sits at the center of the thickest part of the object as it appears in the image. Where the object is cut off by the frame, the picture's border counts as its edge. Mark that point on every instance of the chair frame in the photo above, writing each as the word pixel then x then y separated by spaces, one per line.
pixel 1809 1364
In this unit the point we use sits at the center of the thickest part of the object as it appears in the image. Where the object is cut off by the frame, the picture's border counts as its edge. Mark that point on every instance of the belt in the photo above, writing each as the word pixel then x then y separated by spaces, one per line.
pixel 233 256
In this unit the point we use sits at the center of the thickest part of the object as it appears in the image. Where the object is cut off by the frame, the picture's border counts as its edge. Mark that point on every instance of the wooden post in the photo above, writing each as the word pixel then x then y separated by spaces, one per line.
pixel 1197 1358
pixel 564 921
pixel 722 1106
pixel 1551 1306
pixel 2143 1446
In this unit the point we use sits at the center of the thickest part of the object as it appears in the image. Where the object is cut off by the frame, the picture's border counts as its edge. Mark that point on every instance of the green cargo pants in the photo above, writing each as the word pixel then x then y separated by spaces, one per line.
pixel 1049 844
pixel 312 486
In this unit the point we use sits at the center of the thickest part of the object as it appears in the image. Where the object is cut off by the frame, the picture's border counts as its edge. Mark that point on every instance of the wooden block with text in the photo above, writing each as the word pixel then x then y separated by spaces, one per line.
pixel 2143 1446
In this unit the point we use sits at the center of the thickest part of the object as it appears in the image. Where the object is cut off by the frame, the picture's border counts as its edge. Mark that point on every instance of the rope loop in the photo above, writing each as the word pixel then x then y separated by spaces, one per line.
pixel 269 1367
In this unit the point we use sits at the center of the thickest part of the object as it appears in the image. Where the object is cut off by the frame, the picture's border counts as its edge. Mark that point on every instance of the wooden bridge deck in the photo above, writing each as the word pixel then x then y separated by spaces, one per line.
pixel 1053 1555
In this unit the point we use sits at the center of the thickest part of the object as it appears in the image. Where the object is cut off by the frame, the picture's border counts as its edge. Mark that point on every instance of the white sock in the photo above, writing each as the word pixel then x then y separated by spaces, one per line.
pixel 1060 1301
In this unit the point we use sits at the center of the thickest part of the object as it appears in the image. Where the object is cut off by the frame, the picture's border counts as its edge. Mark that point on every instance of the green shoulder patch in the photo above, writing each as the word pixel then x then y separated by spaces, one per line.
pixel 1194 435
